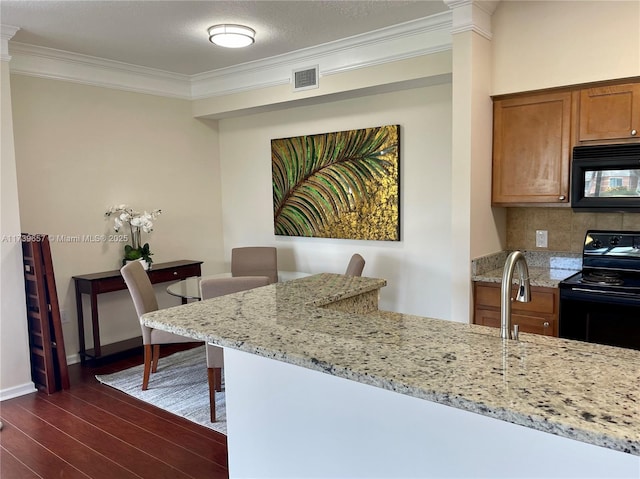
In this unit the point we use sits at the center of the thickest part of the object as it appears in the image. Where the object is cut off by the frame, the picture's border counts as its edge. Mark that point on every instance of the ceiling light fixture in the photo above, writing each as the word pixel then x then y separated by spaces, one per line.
pixel 231 36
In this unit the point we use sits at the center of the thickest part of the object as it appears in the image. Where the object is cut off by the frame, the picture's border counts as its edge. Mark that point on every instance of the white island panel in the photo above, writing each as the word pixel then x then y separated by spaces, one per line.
pixel 285 421
pixel 329 324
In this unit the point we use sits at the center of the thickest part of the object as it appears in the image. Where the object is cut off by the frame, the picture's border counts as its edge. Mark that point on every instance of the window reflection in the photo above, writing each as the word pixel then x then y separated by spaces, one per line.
pixel 611 183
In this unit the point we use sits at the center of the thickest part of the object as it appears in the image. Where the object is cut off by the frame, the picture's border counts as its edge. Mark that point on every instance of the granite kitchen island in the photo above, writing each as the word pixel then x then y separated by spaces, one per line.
pixel 320 383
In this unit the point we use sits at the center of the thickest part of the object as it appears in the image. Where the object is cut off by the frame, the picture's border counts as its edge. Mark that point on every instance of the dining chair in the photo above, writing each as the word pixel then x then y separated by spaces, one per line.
pixel 212 288
pixel 355 266
pixel 145 301
pixel 255 261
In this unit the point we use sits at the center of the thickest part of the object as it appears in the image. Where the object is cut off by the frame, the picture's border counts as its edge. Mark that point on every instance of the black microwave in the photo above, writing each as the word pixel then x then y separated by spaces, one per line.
pixel 606 178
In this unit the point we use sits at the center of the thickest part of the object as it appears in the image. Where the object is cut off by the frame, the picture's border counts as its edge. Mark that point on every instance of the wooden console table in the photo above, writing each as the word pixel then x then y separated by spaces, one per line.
pixel 108 281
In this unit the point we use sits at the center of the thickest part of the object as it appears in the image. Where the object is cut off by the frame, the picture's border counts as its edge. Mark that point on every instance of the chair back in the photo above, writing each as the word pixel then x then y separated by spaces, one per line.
pixel 214 287
pixel 355 266
pixel 140 287
pixel 255 261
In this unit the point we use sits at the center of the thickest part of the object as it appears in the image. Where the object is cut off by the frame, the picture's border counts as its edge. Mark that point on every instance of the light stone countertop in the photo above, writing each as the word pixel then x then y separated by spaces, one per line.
pixel 582 391
pixel 546 269
pixel 542 277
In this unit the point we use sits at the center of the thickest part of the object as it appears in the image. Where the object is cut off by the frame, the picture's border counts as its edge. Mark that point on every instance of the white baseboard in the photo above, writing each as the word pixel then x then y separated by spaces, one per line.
pixel 29 387
pixel 73 359
pixel 15 391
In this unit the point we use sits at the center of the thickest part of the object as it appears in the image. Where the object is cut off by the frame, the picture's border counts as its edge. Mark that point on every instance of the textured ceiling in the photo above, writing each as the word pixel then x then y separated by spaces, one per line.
pixel 172 35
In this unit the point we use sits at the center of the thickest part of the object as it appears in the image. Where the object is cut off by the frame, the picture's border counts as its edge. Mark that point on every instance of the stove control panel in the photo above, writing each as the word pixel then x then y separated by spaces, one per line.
pixel 606 241
pixel 615 250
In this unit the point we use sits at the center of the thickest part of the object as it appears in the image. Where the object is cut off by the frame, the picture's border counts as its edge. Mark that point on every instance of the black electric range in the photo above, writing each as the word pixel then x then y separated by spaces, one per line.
pixel 601 303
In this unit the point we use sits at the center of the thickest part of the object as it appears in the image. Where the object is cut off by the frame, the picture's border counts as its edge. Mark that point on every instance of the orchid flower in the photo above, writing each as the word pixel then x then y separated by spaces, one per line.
pixel 138 223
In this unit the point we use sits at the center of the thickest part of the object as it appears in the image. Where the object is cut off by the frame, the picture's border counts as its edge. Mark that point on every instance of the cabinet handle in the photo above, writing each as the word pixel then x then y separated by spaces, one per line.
pixel 545 324
pixel 561 197
pixel 175 273
pixel 634 132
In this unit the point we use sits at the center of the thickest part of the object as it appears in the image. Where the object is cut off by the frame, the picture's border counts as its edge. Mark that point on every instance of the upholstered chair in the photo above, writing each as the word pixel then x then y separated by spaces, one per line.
pixel 212 288
pixel 145 301
pixel 255 261
pixel 355 266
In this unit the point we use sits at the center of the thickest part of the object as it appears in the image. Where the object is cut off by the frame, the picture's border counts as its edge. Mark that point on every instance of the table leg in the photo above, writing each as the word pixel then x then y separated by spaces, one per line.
pixel 96 326
pixel 80 318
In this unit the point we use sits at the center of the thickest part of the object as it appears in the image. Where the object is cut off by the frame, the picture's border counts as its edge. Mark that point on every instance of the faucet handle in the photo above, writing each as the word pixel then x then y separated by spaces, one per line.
pixel 523 293
pixel 515 332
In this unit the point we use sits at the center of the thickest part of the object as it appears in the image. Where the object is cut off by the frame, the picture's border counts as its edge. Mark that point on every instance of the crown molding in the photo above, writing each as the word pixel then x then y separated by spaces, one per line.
pixel 472 15
pixel 6 33
pixel 67 66
pixel 419 37
pixel 410 39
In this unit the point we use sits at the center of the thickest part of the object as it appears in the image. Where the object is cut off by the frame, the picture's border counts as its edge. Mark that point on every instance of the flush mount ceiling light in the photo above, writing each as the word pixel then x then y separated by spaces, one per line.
pixel 231 36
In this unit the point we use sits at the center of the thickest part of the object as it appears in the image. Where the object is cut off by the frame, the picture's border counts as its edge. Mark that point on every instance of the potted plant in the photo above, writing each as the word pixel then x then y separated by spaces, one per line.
pixel 138 223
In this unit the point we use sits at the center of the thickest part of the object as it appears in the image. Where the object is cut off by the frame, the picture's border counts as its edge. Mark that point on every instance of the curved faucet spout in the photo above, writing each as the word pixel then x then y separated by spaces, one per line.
pixel 514 260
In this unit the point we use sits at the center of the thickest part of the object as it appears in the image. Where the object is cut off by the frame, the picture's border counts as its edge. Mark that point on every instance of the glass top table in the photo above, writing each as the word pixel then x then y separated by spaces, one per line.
pixel 190 288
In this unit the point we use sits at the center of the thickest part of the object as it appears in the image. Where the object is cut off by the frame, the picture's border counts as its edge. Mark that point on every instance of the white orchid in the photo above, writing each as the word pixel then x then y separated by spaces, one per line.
pixel 138 223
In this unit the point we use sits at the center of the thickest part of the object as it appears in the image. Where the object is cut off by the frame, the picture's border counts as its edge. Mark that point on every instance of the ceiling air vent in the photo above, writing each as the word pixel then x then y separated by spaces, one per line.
pixel 305 78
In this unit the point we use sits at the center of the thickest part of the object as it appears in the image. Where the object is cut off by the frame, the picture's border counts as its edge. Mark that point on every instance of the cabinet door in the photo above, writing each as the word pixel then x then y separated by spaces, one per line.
pixel 531 149
pixel 610 113
pixel 536 324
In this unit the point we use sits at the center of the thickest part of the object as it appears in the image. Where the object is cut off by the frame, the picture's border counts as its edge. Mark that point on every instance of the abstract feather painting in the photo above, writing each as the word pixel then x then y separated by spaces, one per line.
pixel 342 184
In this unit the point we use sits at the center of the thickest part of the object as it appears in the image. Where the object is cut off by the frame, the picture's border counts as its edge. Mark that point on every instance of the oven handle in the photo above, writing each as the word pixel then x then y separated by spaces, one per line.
pixel 588 294
pixel 609 293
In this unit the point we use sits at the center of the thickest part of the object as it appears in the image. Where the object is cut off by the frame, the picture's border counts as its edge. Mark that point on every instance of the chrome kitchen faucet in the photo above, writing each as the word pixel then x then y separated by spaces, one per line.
pixel 514 260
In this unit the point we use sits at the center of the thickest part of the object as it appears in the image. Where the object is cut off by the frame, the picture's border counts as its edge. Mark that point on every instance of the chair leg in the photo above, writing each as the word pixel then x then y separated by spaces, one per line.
pixel 156 356
pixel 218 379
pixel 147 366
pixel 212 392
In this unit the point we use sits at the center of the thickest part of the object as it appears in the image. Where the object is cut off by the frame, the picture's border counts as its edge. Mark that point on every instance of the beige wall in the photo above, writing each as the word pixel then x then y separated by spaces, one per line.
pixel 80 149
pixel 552 43
pixel 418 274
pixel 15 372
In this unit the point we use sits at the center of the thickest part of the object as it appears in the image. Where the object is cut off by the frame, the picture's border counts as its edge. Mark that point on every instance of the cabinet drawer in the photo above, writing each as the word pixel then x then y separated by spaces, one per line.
pixel 174 274
pixel 546 326
pixel 108 285
pixel 543 300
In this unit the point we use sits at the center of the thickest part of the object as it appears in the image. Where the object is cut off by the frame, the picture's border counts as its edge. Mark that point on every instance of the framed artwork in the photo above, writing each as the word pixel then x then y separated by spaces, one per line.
pixel 342 184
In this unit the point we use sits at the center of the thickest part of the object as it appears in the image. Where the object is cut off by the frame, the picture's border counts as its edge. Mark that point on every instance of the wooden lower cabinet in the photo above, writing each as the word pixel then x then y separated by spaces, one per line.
pixel 539 316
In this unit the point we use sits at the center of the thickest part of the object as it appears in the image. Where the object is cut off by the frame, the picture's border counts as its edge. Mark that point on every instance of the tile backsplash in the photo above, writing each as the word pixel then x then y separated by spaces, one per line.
pixel 566 229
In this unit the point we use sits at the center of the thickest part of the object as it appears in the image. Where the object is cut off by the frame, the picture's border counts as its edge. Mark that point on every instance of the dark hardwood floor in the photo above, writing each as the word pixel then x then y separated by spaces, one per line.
pixel 92 430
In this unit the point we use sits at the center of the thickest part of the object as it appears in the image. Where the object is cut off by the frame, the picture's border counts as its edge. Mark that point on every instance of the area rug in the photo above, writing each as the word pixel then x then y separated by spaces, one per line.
pixel 178 386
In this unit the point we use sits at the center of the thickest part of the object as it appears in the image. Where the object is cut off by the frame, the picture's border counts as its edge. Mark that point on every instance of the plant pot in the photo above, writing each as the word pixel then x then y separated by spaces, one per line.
pixel 145 265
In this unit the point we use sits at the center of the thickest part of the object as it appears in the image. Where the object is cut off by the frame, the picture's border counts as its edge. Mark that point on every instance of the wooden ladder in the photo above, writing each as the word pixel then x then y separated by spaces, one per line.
pixel 46 342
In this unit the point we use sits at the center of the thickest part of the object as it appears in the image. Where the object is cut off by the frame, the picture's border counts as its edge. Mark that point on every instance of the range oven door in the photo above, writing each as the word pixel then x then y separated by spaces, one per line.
pixel 600 317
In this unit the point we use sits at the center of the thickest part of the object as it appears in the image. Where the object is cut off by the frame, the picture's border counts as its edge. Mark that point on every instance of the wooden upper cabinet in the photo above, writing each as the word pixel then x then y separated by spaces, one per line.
pixel 531 149
pixel 609 113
